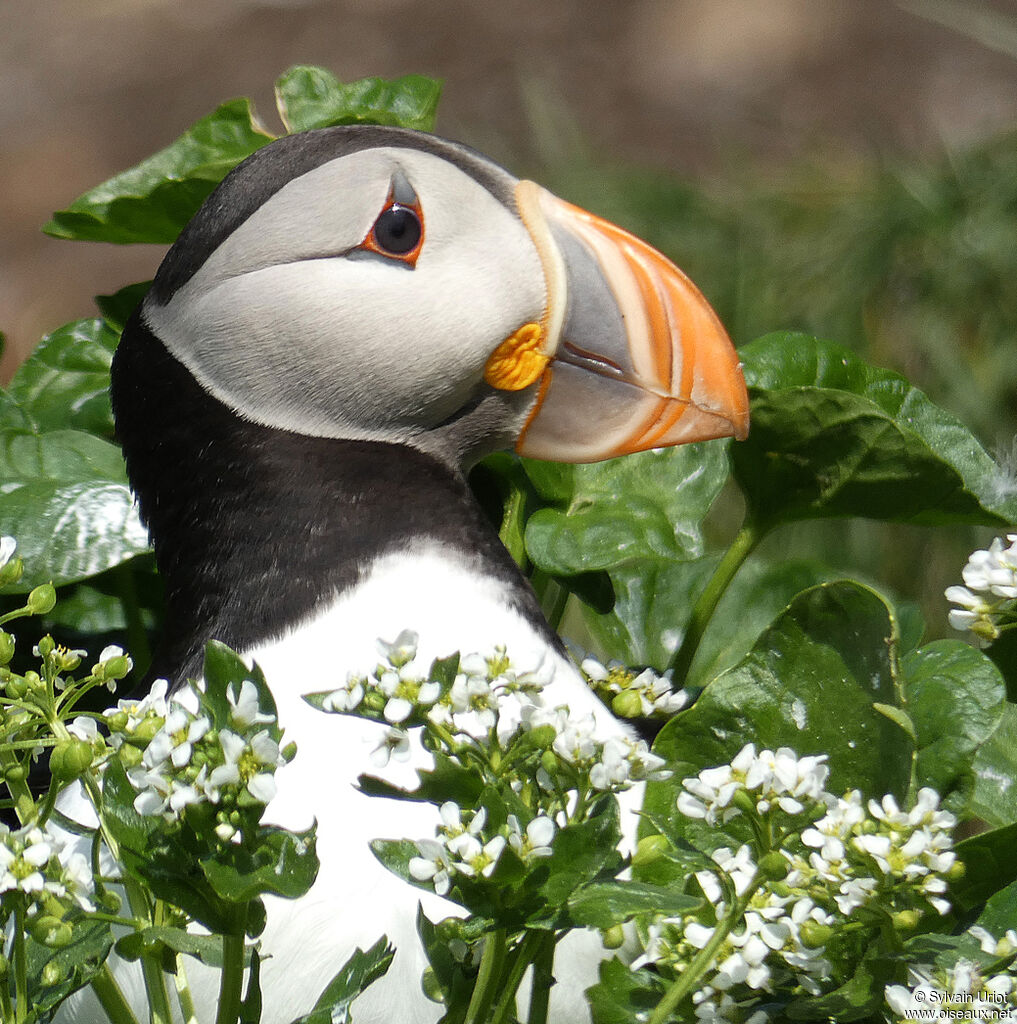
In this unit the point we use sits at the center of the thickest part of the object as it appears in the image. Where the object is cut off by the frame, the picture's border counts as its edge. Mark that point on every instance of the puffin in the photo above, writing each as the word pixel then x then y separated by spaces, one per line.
pixel 353 319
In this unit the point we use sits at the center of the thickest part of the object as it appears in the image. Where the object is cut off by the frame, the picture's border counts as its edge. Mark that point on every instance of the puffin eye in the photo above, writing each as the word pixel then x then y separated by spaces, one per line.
pixel 397 231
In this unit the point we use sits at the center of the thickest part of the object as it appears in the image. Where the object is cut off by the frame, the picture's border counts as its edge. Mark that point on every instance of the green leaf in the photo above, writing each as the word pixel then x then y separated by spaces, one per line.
pixel 603 904
pixel 995 767
pixel 955 697
pixel 283 863
pixel 117 308
pixel 809 683
pixel 623 996
pixel 857 999
pixel 989 864
pixel 154 200
pixel 312 97
pixel 64 383
pixel 77 963
pixel 224 671
pixel 649 505
pixel 832 436
pixel 130 829
pixel 579 853
pixel 66 500
pixel 1000 911
pixel 361 970
pixel 206 948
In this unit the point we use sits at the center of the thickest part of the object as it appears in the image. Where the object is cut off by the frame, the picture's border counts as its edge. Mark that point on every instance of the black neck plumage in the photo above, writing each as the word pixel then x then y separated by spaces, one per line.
pixel 256 528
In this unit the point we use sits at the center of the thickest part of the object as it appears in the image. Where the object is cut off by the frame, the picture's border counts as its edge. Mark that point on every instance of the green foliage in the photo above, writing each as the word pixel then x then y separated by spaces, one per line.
pixel 642 556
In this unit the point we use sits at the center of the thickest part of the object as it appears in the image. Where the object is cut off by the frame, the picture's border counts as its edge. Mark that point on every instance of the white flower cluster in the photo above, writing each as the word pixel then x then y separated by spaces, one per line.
pixel 489 696
pixel 771 779
pixel 633 694
pixel 462 848
pixel 400 691
pixel 990 587
pixel 181 760
pixel 962 991
pixel 613 764
pixel 37 862
pixel 773 941
pixel 859 853
pixel 856 853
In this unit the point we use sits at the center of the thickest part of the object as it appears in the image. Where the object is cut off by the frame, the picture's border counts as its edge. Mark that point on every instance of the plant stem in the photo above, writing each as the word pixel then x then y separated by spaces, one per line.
pixel 742 546
pixel 111 998
pixel 232 984
pixel 20 964
pixel 6 1007
pixel 24 803
pixel 487 978
pixel 137 900
pixel 540 991
pixel 525 954
pixel 701 961
pixel 184 997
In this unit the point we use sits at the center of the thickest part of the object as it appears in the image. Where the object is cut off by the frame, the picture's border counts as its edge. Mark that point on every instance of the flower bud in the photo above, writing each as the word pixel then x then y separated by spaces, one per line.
pixel 16 687
pixel 542 736
pixel 549 762
pixel 288 752
pixel 627 704
pixel 117 722
pixel 650 849
pixel 774 866
pixel 813 934
pixel 46 646
pixel 743 801
pixel 958 869
pixel 49 930
pixel 130 757
pixel 11 571
pixel 613 937
pixel 16 773
pixel 907 920
pixel 145 730
pixel 34 681
pixel 430 986
pixel 53 973
pixel 70 759
pixel 42 600
pixel 113 668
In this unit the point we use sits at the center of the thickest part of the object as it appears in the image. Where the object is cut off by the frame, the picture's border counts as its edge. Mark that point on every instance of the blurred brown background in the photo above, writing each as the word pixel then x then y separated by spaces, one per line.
pixel 88 87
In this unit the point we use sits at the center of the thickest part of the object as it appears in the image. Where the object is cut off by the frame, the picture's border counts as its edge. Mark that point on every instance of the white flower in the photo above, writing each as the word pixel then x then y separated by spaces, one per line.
pixel 245 761
pixel 535 841
pixel 84 728
pixel 35 861
pixel 404 693
pixel 245 710
pixel 432 865
pixel 394 744
pixel 7 548
pixel 347 697
pixel 400 651
pixel 175 740
pixel 708 795
pixel 153 704
pixel 476 859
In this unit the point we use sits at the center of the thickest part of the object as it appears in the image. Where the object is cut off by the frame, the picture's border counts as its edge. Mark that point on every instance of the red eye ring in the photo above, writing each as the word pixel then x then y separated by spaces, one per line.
pixel 398 231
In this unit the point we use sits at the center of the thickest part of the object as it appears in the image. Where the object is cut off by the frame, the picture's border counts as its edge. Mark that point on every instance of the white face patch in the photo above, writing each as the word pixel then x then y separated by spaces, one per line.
pixel 293 326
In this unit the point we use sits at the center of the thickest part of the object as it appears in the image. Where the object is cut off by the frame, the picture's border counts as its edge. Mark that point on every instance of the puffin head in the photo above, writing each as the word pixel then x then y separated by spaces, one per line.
pixel 387 285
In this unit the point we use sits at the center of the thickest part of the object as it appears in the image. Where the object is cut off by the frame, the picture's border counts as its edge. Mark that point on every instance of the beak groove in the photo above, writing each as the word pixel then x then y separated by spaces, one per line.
pixel 654 367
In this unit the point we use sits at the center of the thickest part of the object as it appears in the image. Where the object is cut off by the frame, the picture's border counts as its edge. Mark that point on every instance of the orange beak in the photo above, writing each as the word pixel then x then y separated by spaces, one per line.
pixel 637 358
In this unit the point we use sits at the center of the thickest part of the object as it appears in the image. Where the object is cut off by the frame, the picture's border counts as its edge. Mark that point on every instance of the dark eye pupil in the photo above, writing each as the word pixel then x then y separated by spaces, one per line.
pixel 397 230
